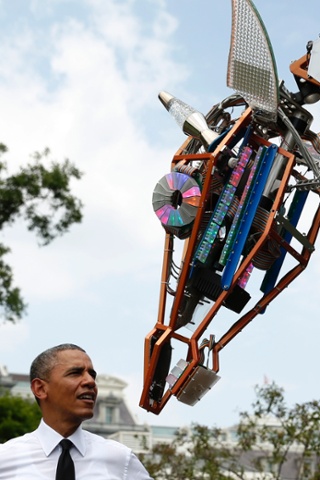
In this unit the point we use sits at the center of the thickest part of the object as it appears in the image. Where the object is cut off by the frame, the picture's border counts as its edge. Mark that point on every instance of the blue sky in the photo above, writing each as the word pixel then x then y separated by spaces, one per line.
pixel 82 78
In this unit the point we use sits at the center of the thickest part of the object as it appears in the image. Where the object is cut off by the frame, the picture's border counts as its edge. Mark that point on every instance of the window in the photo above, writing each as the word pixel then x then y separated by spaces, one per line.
pixel 109 415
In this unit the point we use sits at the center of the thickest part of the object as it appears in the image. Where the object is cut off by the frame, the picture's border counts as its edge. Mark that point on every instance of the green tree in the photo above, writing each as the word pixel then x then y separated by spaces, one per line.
pixel 269 439
pixel 41 196
pixel 275 430
pixel 195 453
pixel 17 416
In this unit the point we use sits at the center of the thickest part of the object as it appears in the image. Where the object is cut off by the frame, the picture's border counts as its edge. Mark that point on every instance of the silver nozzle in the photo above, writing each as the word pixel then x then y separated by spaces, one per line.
pixel 165 98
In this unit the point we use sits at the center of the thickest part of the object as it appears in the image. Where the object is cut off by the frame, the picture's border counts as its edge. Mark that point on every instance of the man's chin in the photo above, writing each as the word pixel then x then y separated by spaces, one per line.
pixel 87 415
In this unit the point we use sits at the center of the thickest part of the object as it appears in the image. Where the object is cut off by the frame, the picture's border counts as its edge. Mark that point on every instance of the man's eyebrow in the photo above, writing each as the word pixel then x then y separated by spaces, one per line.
pixel 74 369
pixel 78 369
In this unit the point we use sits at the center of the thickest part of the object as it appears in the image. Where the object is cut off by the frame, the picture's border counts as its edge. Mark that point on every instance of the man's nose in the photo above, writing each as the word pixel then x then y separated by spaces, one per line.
pixel 89 379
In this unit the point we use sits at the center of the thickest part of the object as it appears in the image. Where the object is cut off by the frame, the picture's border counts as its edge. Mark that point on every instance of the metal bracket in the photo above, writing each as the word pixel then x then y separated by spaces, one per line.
pixel 284 222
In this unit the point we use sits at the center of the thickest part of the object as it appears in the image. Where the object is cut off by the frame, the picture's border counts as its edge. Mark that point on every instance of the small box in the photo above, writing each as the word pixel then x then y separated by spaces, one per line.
pixel 198 384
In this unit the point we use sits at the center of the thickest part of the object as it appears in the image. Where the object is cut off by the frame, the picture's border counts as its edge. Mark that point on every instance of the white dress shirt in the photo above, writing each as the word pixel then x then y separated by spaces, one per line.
pixel 34 456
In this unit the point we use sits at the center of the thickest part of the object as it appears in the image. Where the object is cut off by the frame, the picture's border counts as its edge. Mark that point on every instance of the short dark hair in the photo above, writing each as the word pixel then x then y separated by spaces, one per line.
pixel 42 365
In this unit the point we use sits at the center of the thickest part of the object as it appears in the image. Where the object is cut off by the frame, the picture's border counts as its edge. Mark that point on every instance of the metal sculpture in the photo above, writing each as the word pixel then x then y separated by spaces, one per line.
pixel 239 188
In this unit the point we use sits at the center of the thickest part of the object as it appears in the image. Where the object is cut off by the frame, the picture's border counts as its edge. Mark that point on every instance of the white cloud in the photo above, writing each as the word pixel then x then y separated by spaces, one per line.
pixel 13 337
pixel 101 71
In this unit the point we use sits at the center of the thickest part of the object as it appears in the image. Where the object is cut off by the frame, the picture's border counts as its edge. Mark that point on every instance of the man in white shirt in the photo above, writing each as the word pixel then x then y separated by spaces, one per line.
pixel 63 383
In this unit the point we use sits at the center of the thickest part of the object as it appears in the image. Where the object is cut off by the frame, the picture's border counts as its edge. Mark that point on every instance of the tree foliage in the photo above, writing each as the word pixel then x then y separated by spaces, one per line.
pixel 194 454
pixel 17 416
pixel 272 441
pixel 275 429
pixel 40 195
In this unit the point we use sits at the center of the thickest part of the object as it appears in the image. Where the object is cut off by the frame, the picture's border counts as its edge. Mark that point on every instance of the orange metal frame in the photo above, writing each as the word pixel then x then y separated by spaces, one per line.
pixel 299 68
pixel 164 333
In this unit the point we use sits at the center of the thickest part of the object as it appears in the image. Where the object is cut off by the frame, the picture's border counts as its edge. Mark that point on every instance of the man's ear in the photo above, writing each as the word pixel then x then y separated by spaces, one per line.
pixel 39 388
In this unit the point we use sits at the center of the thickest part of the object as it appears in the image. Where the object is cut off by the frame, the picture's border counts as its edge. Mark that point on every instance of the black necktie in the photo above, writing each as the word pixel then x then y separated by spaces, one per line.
pixel 65 467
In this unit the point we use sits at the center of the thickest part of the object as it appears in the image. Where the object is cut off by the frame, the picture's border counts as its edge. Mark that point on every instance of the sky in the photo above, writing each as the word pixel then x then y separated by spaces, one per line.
pixel 82 77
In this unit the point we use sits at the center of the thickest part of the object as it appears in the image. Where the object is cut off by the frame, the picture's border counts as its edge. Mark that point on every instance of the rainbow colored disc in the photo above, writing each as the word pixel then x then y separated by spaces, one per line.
pixel 175 199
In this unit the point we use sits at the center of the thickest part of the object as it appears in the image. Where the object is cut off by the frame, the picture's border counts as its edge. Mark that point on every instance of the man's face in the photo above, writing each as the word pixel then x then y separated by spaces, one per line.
pixel 71 391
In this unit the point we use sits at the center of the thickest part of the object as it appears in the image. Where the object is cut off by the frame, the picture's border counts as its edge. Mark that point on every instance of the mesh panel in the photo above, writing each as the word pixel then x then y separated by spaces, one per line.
pixel 251 70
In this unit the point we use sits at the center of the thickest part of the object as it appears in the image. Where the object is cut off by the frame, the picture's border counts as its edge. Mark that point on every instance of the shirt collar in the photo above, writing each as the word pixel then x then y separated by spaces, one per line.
pixel 49 438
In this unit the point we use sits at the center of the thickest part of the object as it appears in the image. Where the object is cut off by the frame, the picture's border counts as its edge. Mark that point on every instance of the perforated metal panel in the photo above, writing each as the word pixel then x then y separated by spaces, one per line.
pixel 251 69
